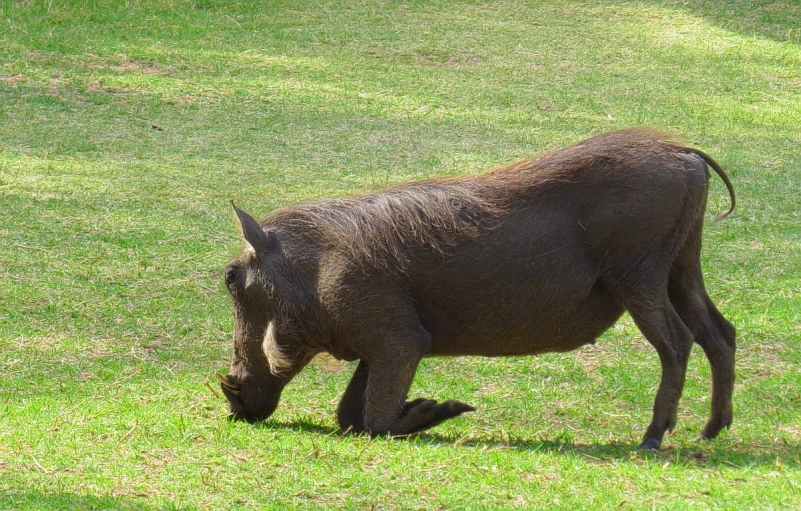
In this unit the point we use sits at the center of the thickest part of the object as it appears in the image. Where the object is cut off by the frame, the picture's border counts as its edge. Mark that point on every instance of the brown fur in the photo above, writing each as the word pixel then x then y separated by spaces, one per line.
pixel 384 228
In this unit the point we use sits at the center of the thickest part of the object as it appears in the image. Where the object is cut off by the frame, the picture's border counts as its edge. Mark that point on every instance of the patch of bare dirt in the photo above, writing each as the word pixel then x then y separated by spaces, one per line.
pixel 123 64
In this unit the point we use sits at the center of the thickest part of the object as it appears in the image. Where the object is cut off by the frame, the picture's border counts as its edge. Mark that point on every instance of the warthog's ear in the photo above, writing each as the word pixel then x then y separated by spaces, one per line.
pixel 262 242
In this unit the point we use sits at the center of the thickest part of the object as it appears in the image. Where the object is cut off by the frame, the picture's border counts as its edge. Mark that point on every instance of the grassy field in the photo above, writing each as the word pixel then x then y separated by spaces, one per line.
pixel 125 127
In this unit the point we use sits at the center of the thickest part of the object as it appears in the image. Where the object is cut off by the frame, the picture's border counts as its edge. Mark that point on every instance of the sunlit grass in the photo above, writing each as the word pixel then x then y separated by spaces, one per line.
pixel 125 127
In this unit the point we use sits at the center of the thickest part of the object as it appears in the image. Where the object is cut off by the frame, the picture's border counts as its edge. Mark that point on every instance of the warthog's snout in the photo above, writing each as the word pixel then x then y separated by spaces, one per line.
pixel 238 412
pixel 260 406
pixel 232 392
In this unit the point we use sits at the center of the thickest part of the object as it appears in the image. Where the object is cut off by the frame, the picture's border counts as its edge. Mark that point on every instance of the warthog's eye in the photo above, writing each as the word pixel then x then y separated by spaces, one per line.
pixel 231 277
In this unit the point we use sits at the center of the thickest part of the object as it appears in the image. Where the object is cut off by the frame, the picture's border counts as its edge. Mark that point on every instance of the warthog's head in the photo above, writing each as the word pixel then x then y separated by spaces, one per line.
pixel 267 353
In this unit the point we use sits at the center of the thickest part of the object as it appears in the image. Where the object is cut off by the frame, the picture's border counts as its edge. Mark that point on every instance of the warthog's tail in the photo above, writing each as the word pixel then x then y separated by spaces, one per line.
pixel 712 163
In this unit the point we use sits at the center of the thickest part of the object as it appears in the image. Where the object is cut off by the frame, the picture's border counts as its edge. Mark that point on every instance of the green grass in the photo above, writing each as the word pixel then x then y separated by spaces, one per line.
pixel 126 126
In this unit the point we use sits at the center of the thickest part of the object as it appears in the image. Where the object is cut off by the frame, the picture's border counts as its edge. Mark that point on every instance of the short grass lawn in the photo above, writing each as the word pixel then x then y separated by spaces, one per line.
pixel 125 127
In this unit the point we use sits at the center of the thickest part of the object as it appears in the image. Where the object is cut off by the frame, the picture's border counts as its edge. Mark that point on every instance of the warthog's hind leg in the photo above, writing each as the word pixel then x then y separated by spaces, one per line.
pixel 718 344
pixel 713 333
pixel 664 329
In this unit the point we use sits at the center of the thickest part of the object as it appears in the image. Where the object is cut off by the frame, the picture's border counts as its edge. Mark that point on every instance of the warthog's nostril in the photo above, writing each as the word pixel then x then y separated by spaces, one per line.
pixel 238 411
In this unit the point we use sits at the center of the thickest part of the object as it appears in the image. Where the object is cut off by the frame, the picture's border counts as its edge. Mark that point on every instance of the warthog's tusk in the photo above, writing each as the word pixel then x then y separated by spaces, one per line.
pixel 225 383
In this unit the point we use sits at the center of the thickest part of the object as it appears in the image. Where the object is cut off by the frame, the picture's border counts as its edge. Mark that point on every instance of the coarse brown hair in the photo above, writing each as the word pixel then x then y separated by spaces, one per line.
pixel 384 228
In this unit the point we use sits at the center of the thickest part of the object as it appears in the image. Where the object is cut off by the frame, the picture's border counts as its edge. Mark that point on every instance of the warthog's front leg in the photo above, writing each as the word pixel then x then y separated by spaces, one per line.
pixel 422 413
pixel 375 401
pixel 350 414
pixel 386 410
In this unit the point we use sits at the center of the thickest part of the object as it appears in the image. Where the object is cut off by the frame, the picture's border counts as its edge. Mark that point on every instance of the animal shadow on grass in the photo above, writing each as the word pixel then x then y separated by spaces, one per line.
pixel 69 500
pixel 700 453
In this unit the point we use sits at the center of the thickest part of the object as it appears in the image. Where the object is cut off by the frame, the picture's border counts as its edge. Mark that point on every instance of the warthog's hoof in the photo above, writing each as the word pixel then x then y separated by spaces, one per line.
pixel 421 414
pixel 458 408
pixel 714 427
pixel 650 444
pixel 451 407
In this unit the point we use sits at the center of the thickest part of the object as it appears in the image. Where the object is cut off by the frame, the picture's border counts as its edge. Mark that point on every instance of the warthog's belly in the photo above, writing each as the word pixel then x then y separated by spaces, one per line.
pixel 528 287
pixel 500 328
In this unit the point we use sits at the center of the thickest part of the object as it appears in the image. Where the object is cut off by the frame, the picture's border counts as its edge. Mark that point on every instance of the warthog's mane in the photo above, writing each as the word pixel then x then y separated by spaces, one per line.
pixel 388 227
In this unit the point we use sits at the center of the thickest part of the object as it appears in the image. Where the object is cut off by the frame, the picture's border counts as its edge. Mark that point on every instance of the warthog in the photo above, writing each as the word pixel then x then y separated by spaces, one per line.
pixel 540 255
